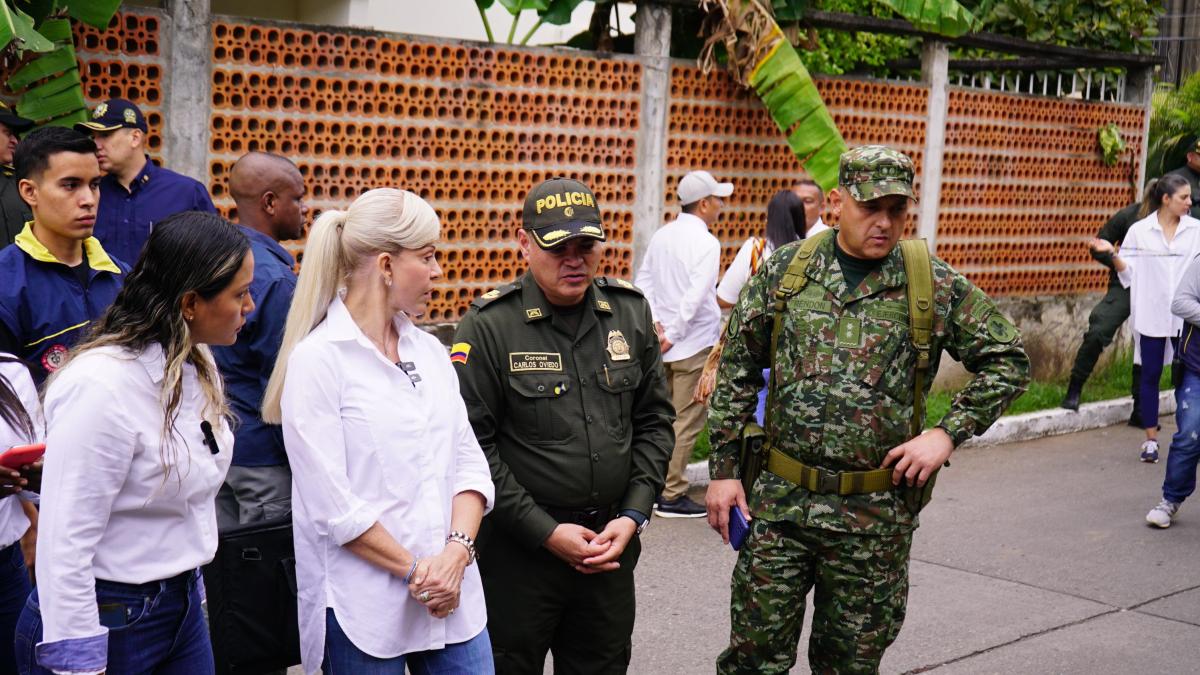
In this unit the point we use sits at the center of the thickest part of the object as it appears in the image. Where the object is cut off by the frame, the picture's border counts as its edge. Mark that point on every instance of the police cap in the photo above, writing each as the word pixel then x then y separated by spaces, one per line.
pixel 559 210
pixel 113 114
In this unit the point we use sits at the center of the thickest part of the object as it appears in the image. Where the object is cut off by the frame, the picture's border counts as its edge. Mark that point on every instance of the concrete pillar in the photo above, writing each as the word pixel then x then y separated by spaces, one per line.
pixel 935 67
pixel 652 44
pixel 188 88
pixel 1139 88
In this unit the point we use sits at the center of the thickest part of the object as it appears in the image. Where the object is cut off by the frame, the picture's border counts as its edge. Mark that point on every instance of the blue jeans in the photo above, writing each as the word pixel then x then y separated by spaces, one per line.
pixel 473 657
pixel 14 590
pixel 154 628
pixel 1184 453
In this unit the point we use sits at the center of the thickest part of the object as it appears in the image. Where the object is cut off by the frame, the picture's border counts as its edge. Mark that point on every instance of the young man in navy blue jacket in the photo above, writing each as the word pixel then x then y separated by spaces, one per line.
pixel 56 277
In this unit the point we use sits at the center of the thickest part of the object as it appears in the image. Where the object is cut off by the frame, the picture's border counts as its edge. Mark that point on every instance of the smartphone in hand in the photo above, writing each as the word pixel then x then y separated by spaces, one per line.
pixel 20 455
pixel 738 528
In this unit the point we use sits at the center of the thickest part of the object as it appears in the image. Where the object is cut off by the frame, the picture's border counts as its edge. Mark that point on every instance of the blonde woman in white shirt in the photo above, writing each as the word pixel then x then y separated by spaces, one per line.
pixel 389 482
pixel 20 424
pixel 1153 257
pixel 137 445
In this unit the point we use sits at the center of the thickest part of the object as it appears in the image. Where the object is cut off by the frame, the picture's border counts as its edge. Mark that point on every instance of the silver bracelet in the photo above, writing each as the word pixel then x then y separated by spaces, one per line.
pixel 467 543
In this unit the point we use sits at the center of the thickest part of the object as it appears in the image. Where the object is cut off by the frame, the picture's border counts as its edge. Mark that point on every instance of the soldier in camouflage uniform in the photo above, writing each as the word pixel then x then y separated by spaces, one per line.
pixel 843 381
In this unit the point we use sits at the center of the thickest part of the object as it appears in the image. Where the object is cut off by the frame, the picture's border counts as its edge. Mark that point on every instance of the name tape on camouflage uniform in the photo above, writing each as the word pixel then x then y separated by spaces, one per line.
pixel 534 362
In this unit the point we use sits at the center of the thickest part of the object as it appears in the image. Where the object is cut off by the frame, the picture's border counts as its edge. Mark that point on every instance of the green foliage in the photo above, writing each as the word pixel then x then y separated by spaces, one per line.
pixel 788 92
pixel 944 17
pixel 1112 146
pixel 1174 124
pixel 1113 25
pixel 50 88
pixel 835 52
pixel 556 12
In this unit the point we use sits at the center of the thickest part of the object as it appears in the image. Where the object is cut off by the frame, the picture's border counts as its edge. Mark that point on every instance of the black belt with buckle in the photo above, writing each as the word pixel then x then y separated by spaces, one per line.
pixel 594 518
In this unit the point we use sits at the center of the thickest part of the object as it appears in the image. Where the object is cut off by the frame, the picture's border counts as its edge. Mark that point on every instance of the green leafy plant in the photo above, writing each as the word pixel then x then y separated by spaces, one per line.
pixel 1112 145
pixel 36 34
pixel 1174 125
pixel 555 12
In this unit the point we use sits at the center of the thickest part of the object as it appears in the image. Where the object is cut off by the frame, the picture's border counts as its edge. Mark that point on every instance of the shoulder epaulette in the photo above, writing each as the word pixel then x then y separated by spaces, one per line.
pixel 495 294
pixel 613 282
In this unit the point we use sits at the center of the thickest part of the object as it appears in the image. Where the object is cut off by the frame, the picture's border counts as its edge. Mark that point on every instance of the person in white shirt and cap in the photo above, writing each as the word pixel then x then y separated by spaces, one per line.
pixel 679 278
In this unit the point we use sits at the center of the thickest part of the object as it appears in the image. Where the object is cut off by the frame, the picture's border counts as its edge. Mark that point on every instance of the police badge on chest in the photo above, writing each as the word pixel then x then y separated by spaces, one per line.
pixel 618 348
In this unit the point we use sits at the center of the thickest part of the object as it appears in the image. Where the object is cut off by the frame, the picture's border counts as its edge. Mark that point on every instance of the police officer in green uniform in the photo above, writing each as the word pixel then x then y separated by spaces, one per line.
pixel 14 212
pixel 563 380
pixel 1106 317
pixel 852 326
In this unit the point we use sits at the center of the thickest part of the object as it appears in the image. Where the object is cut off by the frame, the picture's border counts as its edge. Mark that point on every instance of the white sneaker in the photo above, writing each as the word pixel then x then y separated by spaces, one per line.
pixel 1163 514
pixel 1149 452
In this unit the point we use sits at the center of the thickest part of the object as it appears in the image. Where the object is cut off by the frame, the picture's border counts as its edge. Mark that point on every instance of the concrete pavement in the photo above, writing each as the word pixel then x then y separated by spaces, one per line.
pixel 1032 558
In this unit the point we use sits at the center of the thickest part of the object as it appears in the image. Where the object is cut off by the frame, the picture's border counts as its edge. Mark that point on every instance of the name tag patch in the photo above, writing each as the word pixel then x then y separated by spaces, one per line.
pixel 534 362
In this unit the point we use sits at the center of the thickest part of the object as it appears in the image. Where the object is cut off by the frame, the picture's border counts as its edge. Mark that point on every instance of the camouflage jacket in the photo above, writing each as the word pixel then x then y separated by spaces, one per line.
pixel 843 381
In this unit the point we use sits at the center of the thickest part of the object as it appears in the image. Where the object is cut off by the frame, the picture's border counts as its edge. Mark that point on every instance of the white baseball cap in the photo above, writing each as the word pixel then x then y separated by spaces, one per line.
pixel 700 184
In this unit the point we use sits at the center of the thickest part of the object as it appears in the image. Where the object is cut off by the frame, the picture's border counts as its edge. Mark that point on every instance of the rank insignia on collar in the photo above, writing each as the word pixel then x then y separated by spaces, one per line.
pixel 618 348
pixel 535 313
pixel 490 294
pixel 603 304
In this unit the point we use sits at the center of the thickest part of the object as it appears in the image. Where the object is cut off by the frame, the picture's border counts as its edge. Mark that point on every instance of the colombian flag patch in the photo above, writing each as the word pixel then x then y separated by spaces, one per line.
pixel 459 352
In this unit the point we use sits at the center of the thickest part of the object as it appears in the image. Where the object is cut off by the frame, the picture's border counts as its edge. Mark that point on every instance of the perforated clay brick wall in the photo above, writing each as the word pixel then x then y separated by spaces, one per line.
pixel 1024 189
pixel 469 128
pixel 127 60
pixel 715 125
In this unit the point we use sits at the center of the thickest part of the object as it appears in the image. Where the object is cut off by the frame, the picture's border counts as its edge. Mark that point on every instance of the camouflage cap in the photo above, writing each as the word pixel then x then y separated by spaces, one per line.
pixel 873 171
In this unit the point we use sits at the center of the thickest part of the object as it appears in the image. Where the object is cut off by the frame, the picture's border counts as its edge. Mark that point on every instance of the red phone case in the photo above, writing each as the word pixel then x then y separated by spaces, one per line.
pixel 20 455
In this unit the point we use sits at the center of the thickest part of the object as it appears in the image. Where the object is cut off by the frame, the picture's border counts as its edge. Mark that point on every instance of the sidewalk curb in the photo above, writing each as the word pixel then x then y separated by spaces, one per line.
pixel 1028 426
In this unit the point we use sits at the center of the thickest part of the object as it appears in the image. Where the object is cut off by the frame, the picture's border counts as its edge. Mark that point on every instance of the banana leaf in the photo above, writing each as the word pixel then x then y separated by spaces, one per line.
pixel 53 63
pixel 944 17
pixel 50 107
pixel 53 86
pixel 95 13
pixel 761 58
pixel 56 30
pixel 17 26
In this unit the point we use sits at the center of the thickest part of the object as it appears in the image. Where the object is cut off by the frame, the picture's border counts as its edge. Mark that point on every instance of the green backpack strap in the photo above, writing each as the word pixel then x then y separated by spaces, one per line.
pixel 918 268
pixel 794 280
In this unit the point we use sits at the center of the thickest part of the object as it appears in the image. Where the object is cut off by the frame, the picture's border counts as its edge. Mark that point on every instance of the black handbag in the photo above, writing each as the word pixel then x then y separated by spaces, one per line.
pixel 251 587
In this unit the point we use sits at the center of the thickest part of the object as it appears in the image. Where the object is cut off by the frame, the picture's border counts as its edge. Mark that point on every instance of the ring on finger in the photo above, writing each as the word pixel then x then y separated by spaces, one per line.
pixel 424 596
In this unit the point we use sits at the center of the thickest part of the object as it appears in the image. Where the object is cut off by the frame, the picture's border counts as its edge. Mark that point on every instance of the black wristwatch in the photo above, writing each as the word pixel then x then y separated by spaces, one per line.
pixel 637 517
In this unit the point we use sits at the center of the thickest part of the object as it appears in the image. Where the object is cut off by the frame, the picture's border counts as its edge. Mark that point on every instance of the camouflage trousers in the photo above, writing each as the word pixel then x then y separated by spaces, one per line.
pixel 861 586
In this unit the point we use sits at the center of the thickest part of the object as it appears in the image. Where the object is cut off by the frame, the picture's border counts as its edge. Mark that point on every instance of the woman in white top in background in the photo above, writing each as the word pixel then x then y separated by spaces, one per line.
pixel 1154 255
pixel 388 481
pixel 137 445
pixel 20 424
pixel 785 223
